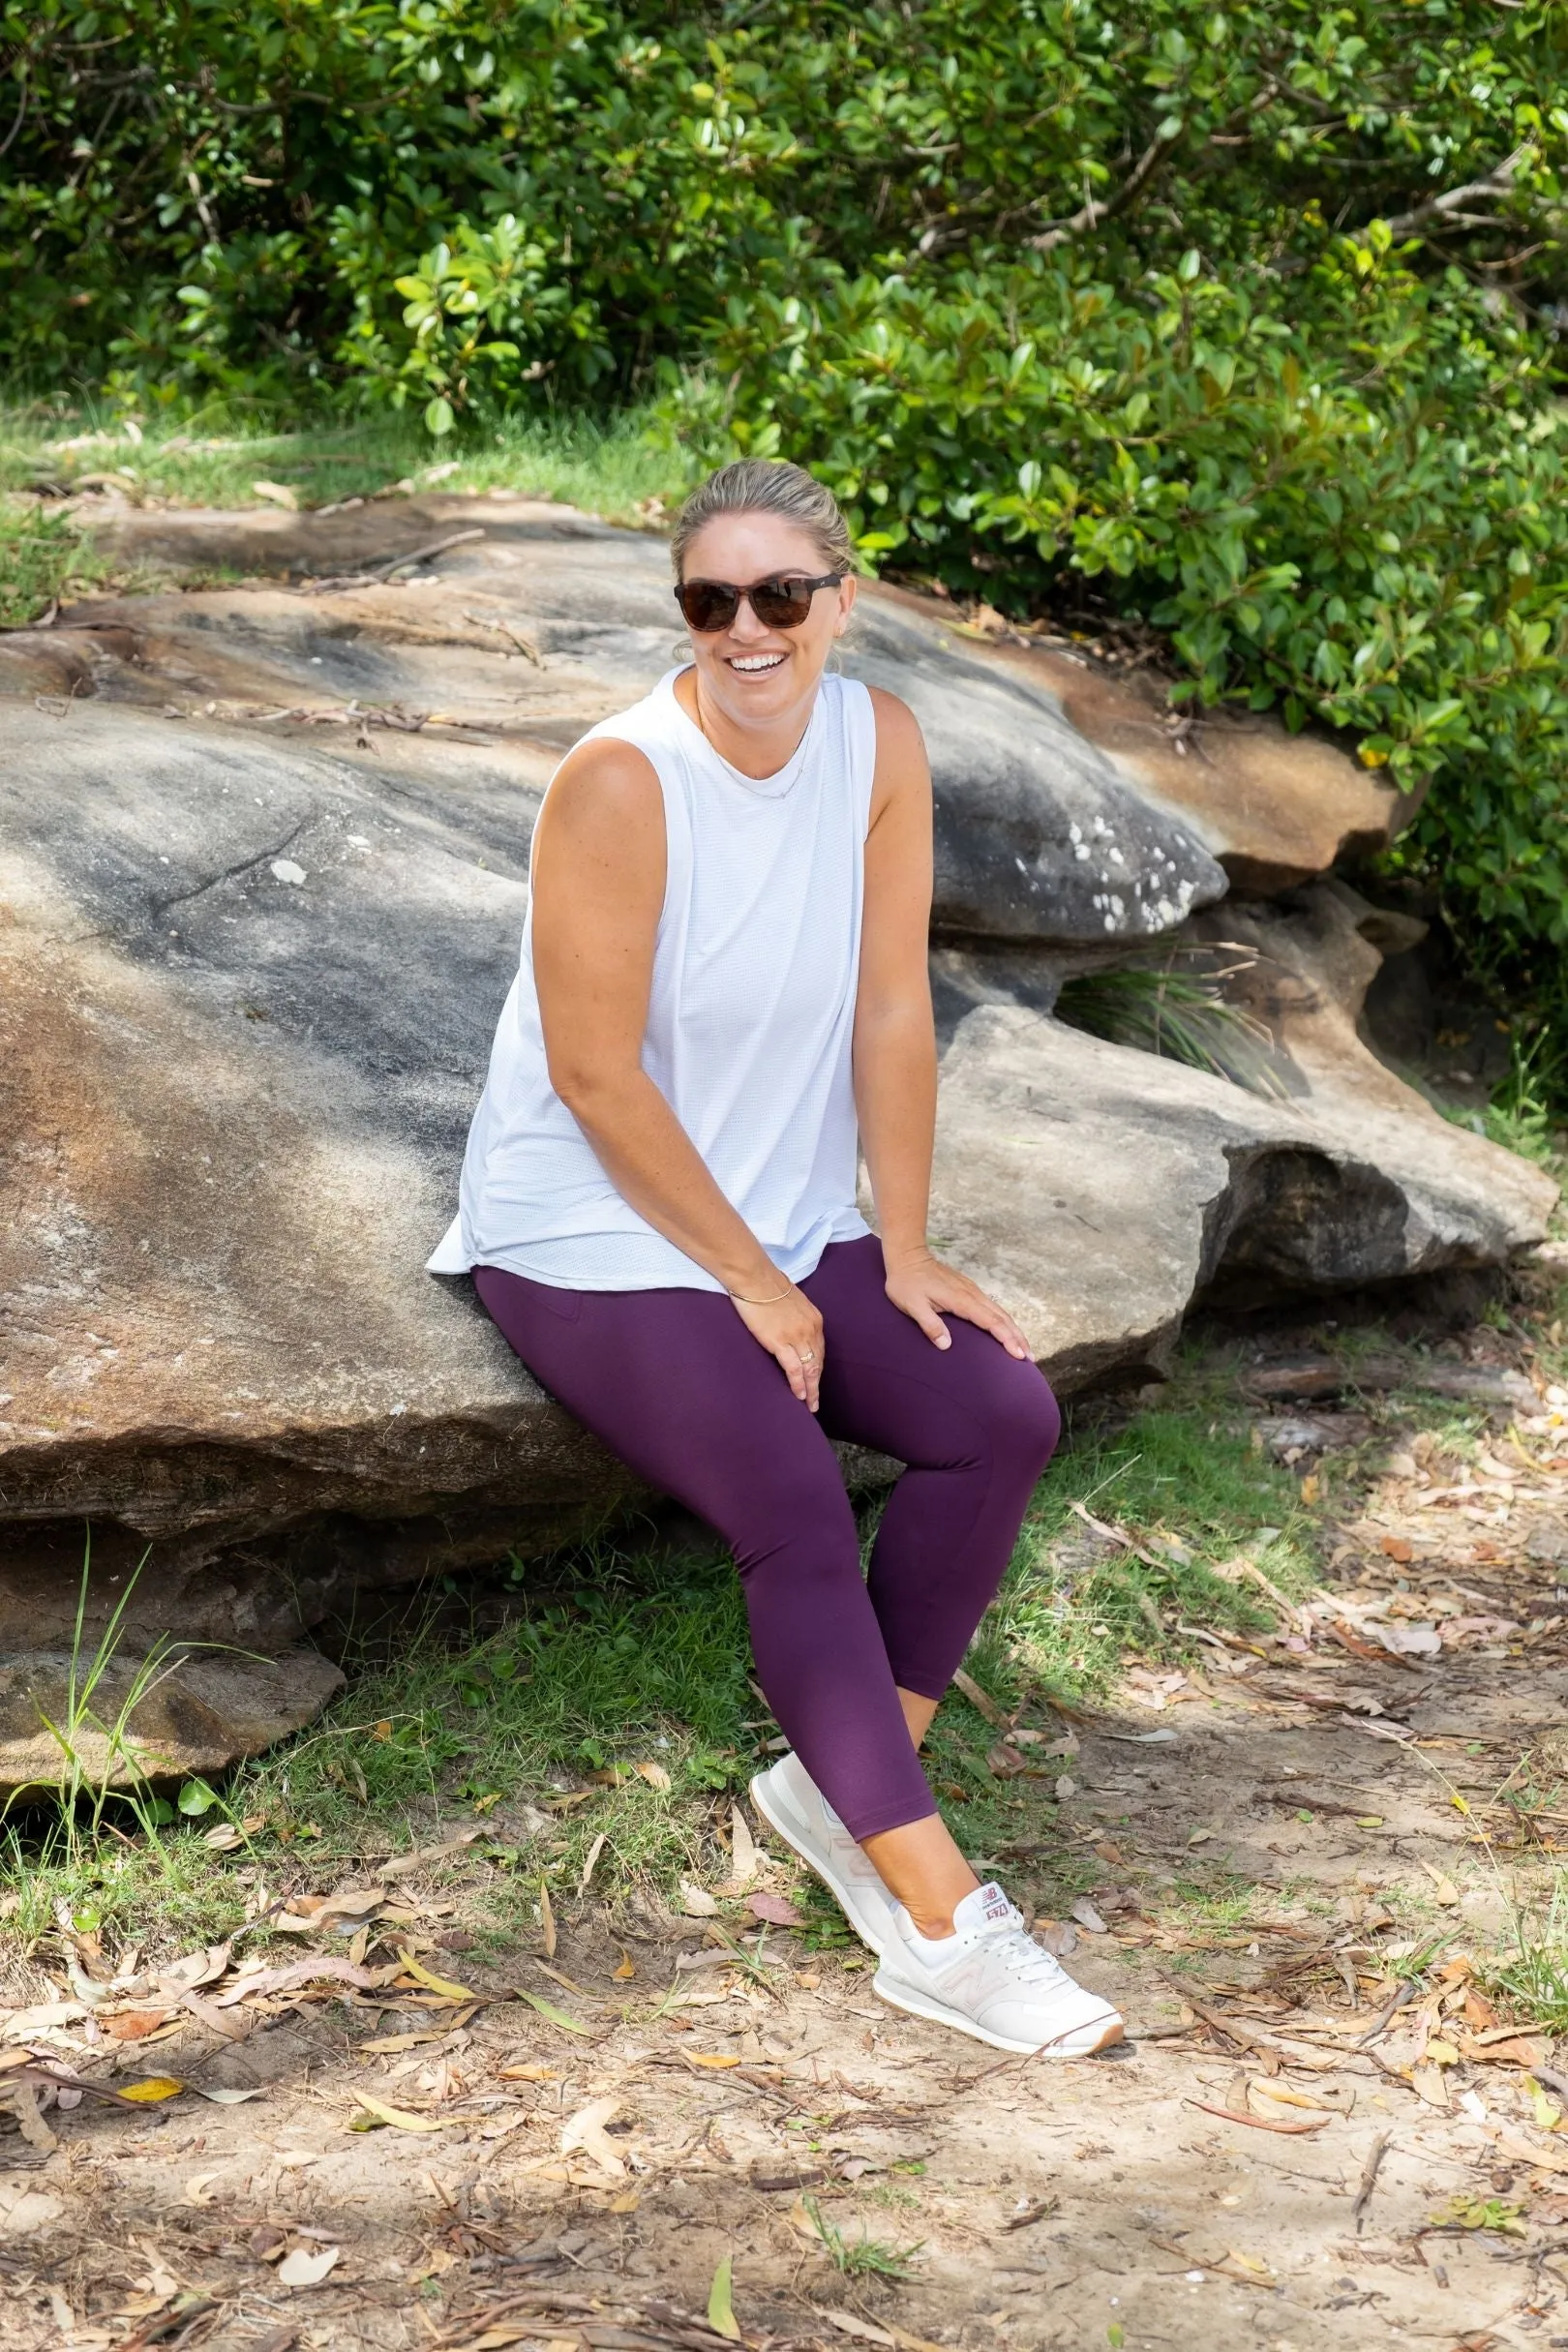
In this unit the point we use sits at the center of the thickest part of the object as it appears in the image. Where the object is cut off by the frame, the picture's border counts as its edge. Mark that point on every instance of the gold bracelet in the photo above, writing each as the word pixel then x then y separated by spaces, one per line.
pixel 742 1299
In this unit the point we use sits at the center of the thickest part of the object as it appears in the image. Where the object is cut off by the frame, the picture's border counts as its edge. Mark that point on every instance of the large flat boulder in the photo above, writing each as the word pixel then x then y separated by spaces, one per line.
pixel 262 874
pixel 494 659
pixel 1100 1190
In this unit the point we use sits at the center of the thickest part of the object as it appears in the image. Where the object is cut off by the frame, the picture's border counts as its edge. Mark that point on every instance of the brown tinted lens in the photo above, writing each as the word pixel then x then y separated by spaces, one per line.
pixel 781 604
pixel 707 605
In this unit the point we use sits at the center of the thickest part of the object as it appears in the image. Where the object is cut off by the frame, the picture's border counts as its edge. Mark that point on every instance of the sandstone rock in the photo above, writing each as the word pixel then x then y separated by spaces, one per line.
pixel 541 621
pixel 1274 808
pixel 190 1713
pixel 1100 1190
pixel 250 968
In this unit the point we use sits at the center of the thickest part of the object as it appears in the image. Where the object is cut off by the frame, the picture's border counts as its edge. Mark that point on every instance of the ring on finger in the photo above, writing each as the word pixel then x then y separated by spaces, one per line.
pixel 807 1355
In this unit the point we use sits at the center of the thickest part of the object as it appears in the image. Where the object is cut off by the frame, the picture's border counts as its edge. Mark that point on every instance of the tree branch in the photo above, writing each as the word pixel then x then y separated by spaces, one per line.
pixel 1148 168
pixel 1450 205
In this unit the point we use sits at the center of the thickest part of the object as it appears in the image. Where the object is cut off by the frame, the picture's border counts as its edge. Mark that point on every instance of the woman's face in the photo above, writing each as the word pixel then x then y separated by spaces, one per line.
pixel 755 675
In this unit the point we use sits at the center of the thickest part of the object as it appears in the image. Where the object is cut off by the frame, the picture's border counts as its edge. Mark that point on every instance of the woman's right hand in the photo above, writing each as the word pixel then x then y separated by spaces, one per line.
pixel 791 1330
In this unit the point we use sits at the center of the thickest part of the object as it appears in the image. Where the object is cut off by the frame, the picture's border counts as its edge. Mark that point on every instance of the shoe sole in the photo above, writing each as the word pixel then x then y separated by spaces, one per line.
pixel 901 1996
pixel 779 1822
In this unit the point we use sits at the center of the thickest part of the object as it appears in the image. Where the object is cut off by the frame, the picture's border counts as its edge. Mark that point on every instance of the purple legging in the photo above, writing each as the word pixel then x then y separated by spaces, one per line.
pixel 673 1382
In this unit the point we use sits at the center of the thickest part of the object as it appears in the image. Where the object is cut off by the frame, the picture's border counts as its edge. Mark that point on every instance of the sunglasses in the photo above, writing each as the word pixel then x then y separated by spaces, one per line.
pixel 708 606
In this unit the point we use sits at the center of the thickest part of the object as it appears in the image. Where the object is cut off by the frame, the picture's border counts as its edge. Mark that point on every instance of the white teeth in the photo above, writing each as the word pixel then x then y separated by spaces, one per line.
pixel 756 662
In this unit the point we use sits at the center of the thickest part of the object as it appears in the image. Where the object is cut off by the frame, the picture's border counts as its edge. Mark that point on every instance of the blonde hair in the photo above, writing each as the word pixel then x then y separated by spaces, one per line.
pixel 765 486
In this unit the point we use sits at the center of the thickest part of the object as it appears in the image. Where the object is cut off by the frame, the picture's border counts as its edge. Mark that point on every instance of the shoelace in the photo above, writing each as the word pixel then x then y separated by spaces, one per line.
pixel 1021 1954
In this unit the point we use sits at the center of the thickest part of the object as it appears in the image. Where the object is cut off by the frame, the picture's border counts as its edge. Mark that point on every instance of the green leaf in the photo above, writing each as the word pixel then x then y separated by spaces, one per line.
pixel 720 2304
pixel 196 1799
pixel 547 2009
pixel 439 417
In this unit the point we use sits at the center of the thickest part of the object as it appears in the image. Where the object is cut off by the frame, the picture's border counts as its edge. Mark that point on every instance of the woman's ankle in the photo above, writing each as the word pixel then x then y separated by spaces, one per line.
pixel 934 1925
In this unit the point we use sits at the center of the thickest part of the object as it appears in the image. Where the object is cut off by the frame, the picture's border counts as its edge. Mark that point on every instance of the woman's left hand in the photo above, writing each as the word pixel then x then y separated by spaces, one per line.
pixel 925 1290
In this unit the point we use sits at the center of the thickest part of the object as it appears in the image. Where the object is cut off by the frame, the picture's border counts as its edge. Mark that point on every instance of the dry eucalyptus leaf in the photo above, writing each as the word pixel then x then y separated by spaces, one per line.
pixel 742 1847
pixel 592 1862
pixel 696 1902
pixel 399 2118
pixel 585 2130
pixel 305 2269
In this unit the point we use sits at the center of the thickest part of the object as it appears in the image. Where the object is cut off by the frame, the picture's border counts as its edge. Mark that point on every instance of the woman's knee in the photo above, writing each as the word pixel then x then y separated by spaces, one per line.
pixel 1024 1418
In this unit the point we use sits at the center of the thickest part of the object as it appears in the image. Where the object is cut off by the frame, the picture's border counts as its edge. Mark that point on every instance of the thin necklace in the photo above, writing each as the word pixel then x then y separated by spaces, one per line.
pixel 764 788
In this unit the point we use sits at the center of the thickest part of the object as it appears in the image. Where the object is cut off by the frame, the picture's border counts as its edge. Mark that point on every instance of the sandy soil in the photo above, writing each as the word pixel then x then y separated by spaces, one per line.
pixel 1279 2158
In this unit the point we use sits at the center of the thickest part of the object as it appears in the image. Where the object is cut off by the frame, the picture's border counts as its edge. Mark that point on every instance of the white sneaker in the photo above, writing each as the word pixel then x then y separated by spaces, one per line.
pixel 791 1802
pixel 991 1979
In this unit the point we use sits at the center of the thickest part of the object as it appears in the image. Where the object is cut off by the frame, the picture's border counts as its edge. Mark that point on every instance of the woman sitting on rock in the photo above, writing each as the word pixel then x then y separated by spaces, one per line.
pixel 723 991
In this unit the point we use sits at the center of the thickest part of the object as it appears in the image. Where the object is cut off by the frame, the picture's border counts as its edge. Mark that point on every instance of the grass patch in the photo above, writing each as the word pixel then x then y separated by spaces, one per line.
pixel 861 2257
pixel 44 560
pixel 1533 1978
pixel 622 1658
pixel 609 466
pixel 1182 1016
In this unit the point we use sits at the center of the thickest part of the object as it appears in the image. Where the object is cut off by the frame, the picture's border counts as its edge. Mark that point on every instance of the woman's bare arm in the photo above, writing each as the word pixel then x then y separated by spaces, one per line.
pixel 894 1037
pixel 597 878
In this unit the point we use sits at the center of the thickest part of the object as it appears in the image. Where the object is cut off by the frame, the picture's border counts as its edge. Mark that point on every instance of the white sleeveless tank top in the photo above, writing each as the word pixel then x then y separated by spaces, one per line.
pixel 749 1026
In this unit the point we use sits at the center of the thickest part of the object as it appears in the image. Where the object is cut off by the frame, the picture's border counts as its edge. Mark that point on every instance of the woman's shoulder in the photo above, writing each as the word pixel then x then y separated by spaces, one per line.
pixel 899 739
pixel 606 779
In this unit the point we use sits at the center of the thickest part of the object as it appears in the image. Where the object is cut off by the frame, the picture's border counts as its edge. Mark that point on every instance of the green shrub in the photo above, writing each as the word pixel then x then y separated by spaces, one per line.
pixel 1244 314
pixel 1359 512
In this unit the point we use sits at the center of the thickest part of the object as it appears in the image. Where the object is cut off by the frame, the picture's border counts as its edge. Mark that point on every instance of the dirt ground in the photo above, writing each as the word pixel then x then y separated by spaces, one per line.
pixel 1323 2131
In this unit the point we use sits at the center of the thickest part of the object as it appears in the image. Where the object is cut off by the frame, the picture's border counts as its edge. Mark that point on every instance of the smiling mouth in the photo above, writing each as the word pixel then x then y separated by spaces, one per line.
pixel 755 665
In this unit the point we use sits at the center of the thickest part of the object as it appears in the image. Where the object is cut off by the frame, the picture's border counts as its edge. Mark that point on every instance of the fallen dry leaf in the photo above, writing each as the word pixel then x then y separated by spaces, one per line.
pixel 626 1971
pixel 1501 2049
pixel 547 1919
pixel 276 494
pixel 584 2131
pixel 434 1984
pixel 134 2025
pixel 850 2323
pixel 591 1864
pixel 399 2118
pixel 407 1863
pixel 775 1911
pixel 196 1968
pixel 1282 2093
pixel 1520 2152
pixel 1258 2123
pixel 656 1776
pixel 696 1901
pixel 742 1845
pixel 304 2268
pixel 155 2087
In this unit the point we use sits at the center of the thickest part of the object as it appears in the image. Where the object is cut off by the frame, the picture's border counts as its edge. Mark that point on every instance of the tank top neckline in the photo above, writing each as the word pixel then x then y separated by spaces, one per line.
pixel 782 781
